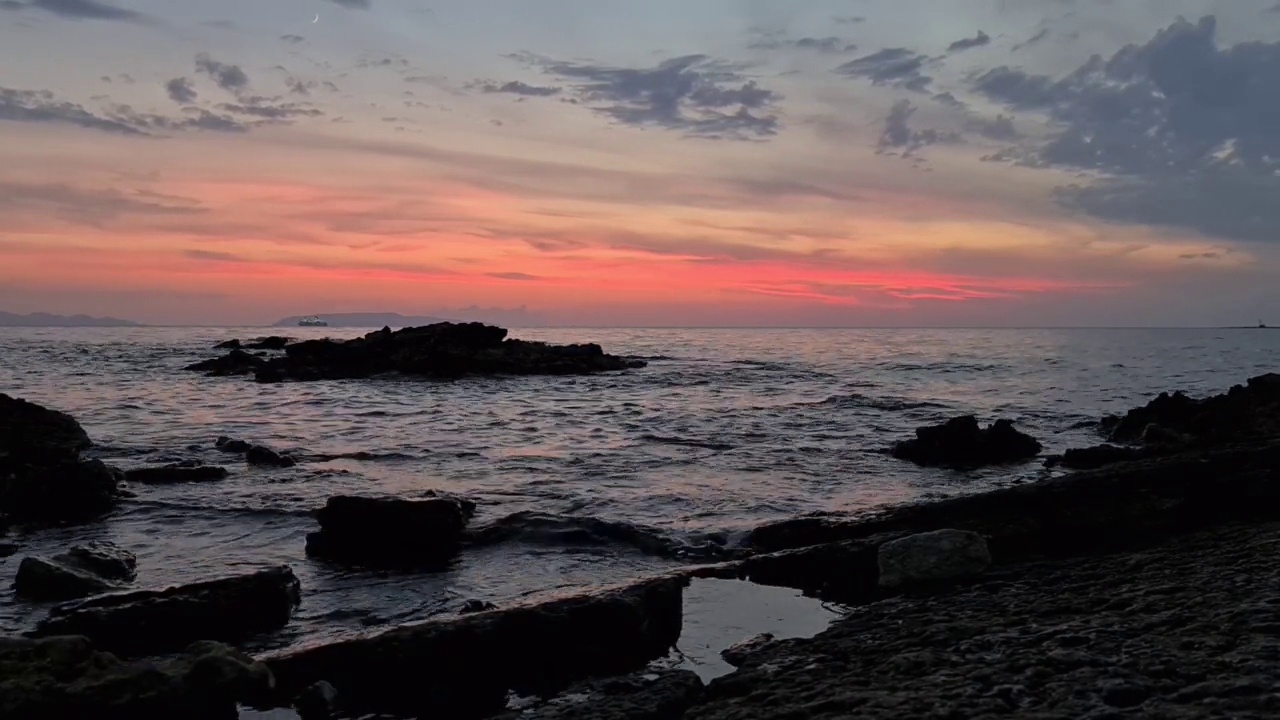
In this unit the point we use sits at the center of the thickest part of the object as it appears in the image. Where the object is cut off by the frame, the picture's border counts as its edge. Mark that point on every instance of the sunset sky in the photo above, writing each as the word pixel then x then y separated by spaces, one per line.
pixel 598 162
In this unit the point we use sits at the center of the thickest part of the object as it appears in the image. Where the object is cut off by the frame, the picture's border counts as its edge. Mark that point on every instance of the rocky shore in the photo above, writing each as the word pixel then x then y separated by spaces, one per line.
pixel 1144 586
pixel 442 351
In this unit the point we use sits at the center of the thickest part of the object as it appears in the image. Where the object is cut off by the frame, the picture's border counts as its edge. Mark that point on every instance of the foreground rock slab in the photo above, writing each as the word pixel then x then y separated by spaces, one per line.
pixel 464 666
pixel 66 677
pixel 962 443
pixel 389 532
pixel 82 571
pixel 440 351
pixel 664 695
pixel 1183 630
pixel 157 621
pixel 43 476
pixel 932 557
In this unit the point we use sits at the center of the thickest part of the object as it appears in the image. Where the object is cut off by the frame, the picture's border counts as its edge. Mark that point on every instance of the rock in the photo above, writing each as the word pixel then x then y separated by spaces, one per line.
pixel 737 654
pixel 8 549
pixel 475 606
pixel 440 351
pixel 174 473
pixel 274 342
pixel 933 557
pixel 388 532
pixel 464 666
pixel 43 476
pixel 1095 457
pixel 156 621
pixel 232 344
pixel 45 579
pixel 103 558
pixel 260 455
pixel 661 695
pixel 1245 411
pixel 962 443
pixel 318 702
pixel 227 445
pixel 65 677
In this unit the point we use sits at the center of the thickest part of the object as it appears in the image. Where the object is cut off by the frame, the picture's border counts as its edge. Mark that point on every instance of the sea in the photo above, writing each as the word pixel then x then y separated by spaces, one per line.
pixel 725 430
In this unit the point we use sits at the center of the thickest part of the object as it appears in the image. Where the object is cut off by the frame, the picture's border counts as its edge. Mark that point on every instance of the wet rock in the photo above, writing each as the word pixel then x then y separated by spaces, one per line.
pixel 236 362
pixel 265 456
pixel 46 579
pixel 66 677
pixel 232 344
pixel 273 342
pixel 8 549
pixel 43 476
pixel 962 443
pixel 156 621
pixel 318 702
pixel 663 695
pixel 475 606
pixel 440 351
pixel 388 532
pixel 174 473
pixel 228 445
pixel 103 558
pixel 1095 457
pixel 737 654
pixel 933 557
pixel 1245 411
pixel 464 666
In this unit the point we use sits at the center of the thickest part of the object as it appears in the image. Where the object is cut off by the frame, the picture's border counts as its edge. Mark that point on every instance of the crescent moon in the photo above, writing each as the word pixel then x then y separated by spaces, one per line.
pixel 313 22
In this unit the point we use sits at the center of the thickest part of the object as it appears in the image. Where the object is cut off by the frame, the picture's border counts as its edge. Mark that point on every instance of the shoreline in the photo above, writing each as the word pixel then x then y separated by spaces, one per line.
pixel 1210 497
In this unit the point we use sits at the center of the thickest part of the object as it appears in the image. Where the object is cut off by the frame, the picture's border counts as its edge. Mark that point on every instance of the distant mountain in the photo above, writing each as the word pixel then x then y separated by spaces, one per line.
pixel 375 320
pixel 48 320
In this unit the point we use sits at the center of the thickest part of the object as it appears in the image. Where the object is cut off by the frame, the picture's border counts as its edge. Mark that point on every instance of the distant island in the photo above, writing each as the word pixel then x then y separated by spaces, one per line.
pixel 375 320
pixel 49 320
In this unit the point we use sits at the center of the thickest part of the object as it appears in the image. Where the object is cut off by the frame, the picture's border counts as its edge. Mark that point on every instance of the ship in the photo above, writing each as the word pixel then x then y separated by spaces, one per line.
pixel 312 321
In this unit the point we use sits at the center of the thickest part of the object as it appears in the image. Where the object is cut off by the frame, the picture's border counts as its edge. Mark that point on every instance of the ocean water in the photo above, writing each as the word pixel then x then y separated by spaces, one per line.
pixel 725 430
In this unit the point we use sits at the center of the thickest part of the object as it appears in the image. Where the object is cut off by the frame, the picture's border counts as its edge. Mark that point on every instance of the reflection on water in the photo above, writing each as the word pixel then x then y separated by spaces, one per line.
pixel 736 427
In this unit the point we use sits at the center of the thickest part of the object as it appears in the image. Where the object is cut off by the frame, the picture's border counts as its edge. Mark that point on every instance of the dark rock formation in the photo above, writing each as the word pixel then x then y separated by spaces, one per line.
pixel 1092 458
pixel 147 622
pixel 227 445
pixel 475 606
pixel 737 654
pixel 663 695
pixel 1245 411
pixel 933 557
pixel 961 443
pixel 232 344
pixel 8 549
pixel 464 666
pixel 318 702
pixel 83 570
pixel 43 476
pixel 440 351
pixel 1185 630
pixel 389 532
pixel 65 677
pixel 183 472
pixel 273 342
pixel 265 456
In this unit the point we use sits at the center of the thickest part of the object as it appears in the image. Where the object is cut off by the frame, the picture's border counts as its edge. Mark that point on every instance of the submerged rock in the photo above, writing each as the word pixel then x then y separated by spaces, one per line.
pixel 65 677
pixel 933 557
pixel 441 351
pixel 1093 458
pixel 464 666
pixel 475 606
pixel 41 578
pixel 389 532
pixel 104 558
pixel 8 549
pixel 43 476
pixel 156 621
pixel 228 445
pixel 174 473
pixel 265 456
pixel 232 344
pixel 962 443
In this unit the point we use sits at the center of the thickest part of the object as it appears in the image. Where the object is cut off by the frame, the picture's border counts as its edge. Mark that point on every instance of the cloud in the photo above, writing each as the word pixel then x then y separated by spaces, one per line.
pixel 180 90
pixel 894 67
pixel 300 87
pixel 228 77
pixel 213 255
pixel 40 106
pixel 86 207
pixel 515 87
pixel 262 108
pixel 353 4
pixel 826 45
pixel 897 131
pixel 999 128
pixel 949 100
pixel 1185 134
pixel 966 43
pixel 79 10
pixel 694 94
pixel 513 276
pixel 1038 37
pixel 848 19
pixel 293 39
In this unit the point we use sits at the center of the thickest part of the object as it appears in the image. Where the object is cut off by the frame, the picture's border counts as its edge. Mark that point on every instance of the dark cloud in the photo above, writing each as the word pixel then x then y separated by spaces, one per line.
pixel 848 19
pixel 898 134
pixel 300 87
pixel 264 108
pixel 228 77
pixel 180 90
pixel 515 87
pixel 1187 134
pixel 949 100
pixel 84 206
pixel 827 45
pixel 966 43
pixel 40 106
pixel 79 10
pixel 213 255
pixel 999 128
pixel 1274 8
pixel 1031 40
pixel 895 67
pixel 293 39
pixel 694 94
pixel 513 276
pixel 353 4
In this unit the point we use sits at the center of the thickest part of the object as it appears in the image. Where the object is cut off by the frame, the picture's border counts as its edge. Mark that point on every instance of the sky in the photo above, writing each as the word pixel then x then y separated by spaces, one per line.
pixel 666 163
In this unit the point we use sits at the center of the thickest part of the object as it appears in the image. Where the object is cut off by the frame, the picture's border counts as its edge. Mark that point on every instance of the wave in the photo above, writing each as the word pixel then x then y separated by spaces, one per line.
pixel 364 456
pixel 686 442
pixel 537 528
pixel 878 403
pixel 134 504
